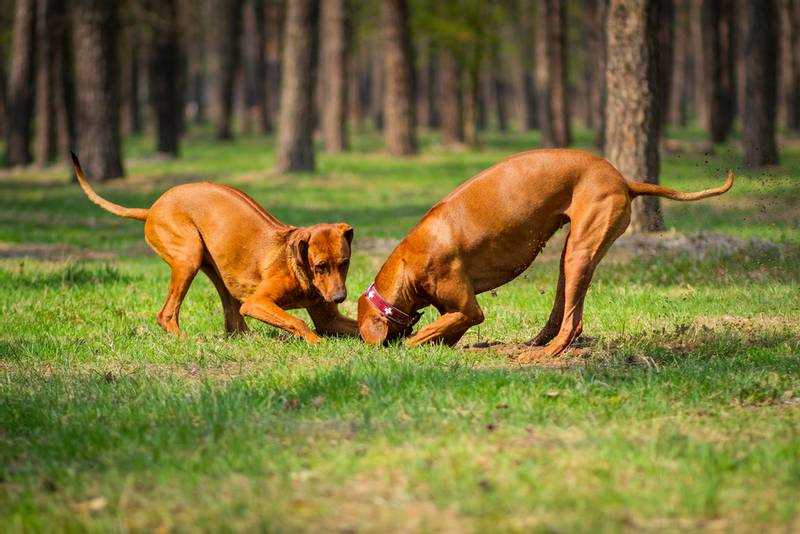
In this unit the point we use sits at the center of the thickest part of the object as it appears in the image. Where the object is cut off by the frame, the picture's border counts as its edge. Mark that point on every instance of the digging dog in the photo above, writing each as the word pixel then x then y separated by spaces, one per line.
pixel 489 230
pixel 260 266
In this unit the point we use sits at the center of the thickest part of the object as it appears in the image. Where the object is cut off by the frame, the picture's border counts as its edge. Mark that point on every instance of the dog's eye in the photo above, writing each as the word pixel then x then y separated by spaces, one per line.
pixel 321 267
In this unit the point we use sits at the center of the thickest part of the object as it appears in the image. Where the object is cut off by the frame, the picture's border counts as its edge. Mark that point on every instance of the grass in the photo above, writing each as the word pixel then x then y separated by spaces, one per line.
pixel 684 414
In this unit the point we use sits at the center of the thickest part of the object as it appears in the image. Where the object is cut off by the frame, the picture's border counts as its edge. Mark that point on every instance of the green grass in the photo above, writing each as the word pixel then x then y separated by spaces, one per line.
pixel 684 413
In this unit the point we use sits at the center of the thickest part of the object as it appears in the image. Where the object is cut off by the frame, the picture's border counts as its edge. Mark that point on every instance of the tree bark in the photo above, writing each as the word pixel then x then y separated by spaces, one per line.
pixel 166 97
pixel 521 34
pixel 666 39
pixel 255 39
pixel 274 20
pixel 595 28
pixel 679 98
pixel 716 83
pixel 95 43
pixel 499 89
pixel 295 128
pixel 471 105
pixel 451 105
pixel 761 56
pixel 65 61
pixel 21 84
pixel 228 32
pixel 134 66
pixel 632 84
pixel 790 62
pixel 400 121
pixel 333 56
pixel 551 70
pixel 49 13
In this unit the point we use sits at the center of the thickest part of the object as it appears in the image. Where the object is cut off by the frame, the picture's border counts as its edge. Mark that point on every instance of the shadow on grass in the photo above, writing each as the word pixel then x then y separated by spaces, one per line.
pixel 70 275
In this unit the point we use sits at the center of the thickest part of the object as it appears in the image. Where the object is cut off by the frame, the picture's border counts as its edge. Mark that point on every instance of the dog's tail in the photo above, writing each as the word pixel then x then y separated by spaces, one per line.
pixel 643 188
pixel 140 214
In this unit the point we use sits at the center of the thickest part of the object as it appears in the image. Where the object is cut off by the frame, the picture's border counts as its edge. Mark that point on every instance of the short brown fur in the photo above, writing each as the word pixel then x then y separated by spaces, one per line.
pixel 260 266
pixel 491 228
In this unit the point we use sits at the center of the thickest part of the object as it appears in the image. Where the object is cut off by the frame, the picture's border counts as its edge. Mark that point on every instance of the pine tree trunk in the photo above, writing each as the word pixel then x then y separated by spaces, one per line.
pixel 760 56
pixel 65 108
pixel 164 77
pixel 790 62
pixel 471 103
pixel 21 84
pixel 228 33
pixel 595 29
pixel 377 93
pixel 274 22
pixel 700 54
pixel 499 89
pixel 678 111
pixel 520 35
pixel 47 26
pixel 716 84
pixel 134 65
pixel 95 41
pixel 666 39
pixel 451 103
pixel 551 68
pixel 296 123
pixel 255 65
pixel 400 121
pixel 632 84
pixel 423 78
pixel 333 68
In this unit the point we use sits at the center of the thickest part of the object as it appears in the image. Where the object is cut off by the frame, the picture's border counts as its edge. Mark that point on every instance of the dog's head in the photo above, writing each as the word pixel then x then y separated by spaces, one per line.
pixel 374 327
pixel 322 252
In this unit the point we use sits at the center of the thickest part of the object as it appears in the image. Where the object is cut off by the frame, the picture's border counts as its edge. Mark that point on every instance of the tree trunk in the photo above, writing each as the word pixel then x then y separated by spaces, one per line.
pixel 666 39
pixel 228 32
pixel 790 62
pixel 426 88
pixel 295 128
pixel 471 103
pixel 95 35
pixel 274 22
pixel 551 69
pixel 761 51
pixel 715 67
pixel 632 84
pixel 333 56
pixel 65 61
pixel 499 89
pixel 595 29
pixel 49 13
pixel 678 100
pixel 450 98
pixel 164 76
pixel 134 66
pixel 521 32
pixel 255 39
pixel 21 84
pixel 400 121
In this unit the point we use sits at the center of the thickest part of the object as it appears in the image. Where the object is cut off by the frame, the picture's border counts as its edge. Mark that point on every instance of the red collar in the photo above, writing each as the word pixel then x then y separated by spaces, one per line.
pixel 398 317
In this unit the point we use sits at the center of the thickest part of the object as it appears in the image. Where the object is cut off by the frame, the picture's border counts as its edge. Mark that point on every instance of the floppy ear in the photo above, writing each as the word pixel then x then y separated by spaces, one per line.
pixel 347 232
pixel 299 243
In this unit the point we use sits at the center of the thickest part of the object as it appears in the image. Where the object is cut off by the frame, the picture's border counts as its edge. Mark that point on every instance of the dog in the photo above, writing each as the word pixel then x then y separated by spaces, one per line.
pixel 489 230
pixel 260 266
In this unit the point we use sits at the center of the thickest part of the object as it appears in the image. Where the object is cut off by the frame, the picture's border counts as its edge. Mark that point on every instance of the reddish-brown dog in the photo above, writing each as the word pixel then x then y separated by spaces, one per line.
pixel 490 229
pixel 259 265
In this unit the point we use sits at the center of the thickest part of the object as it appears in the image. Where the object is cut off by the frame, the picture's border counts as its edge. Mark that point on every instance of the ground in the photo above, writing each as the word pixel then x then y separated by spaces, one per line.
pixel 679 409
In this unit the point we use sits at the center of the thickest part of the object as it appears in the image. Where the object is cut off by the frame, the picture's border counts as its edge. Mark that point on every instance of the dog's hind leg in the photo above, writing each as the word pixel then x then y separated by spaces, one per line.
pixel 590 237
pixel 551 328
pixel 234 321
pixel 182 249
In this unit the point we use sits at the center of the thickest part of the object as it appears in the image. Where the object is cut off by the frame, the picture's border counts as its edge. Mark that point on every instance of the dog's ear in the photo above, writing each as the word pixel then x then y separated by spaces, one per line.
pixel 347 232
pixel 299 244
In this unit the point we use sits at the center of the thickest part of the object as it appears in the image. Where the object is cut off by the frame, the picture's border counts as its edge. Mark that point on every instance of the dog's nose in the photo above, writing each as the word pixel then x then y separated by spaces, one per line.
pixel 339 297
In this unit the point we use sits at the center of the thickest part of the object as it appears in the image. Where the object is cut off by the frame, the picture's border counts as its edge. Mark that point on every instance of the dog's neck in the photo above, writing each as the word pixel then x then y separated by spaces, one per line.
pixel 396 286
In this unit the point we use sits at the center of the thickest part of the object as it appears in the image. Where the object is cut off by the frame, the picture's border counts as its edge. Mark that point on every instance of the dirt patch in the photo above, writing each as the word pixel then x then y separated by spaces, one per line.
pixel 697 246
pixel 50 252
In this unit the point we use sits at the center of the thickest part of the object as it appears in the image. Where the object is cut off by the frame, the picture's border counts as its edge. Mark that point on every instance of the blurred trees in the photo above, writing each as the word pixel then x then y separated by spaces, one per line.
pixel 455 68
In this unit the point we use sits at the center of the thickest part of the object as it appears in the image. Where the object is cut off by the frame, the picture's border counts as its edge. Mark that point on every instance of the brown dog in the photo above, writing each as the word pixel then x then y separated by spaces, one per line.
pixel 490 229
pixel 259 265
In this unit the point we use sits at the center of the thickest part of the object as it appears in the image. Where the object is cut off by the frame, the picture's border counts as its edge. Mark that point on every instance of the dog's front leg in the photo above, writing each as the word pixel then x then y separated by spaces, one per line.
pixel 264 309
pixel 329 321
pixel 447 329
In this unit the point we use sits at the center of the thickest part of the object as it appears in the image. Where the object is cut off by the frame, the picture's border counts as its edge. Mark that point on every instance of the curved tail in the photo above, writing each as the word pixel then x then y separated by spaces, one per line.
pixel 140 214
pixel 643 188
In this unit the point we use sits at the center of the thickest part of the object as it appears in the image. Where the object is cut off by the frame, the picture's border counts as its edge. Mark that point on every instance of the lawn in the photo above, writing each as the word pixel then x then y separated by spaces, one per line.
pixel 681 409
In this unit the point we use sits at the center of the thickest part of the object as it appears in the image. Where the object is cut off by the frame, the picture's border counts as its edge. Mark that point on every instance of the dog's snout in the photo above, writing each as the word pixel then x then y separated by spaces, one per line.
pixel 339 296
